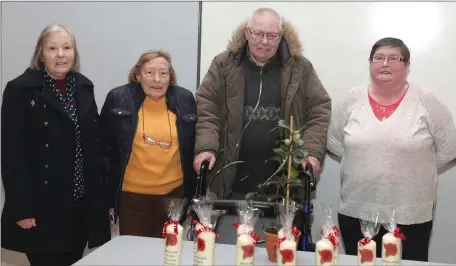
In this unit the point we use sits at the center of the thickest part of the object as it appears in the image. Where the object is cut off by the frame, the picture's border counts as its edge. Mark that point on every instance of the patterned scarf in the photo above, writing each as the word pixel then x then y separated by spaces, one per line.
pixel 70 109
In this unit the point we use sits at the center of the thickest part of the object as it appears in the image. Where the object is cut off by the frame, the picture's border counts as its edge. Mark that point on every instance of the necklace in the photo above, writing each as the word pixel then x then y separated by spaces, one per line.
pixel 148 140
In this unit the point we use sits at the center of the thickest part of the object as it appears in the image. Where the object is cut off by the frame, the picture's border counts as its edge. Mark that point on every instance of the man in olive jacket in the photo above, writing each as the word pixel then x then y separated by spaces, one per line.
pixel 261 78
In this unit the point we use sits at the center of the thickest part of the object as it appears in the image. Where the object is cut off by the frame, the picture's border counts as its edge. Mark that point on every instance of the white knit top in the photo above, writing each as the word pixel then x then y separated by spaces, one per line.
pixel 391 164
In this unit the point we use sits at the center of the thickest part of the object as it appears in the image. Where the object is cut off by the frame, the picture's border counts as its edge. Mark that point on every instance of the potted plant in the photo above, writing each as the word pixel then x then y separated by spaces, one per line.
pixel 289 156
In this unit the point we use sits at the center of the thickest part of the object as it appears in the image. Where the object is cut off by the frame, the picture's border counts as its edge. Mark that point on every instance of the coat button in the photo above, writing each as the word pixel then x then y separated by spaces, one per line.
pixel 46 145
pixel 46 182
pixel 46 166
pixel 44 105
pixel 45 124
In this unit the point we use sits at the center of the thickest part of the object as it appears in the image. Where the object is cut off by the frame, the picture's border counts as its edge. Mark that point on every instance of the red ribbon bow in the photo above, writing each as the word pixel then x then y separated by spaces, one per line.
pixel 295 232
pixel 279 241
pixel 255 237
pixel 332 238
pixel 237 224
pixel 175 222
pixel 206 229
pixel 364 241
pixel 397 233
pixel 203 228
pixel 336 231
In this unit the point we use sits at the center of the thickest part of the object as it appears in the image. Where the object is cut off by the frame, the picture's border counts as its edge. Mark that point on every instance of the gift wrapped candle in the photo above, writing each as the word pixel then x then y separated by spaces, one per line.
pixel 173 243
pixel 367 251
pixel 324 252
pixel 245 249
pixel 205 247
pixel 391 249
pixel 286 252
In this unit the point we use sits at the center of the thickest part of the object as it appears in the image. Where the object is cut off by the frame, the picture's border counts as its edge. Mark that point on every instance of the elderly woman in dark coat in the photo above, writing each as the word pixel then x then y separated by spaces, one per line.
pixel 55 196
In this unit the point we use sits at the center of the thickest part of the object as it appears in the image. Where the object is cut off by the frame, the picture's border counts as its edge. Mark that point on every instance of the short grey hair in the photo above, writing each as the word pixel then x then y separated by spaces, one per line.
pixel 37 58
pixel 261 11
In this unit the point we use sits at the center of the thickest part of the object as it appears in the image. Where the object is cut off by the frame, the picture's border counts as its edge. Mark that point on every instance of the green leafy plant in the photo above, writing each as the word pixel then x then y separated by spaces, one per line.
pixel 291 147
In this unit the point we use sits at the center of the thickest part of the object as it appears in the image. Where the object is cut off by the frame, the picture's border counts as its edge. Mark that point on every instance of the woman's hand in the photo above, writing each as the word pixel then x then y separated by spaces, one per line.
pixel 27 223
pixel 111 214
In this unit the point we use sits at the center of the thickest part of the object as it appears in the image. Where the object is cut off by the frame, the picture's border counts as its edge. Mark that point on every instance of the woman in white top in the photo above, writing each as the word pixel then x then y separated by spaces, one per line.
pixel 392 136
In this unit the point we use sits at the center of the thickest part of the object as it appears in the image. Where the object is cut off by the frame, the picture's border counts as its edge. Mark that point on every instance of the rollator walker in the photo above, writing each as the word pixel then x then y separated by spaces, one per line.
pixel 226 215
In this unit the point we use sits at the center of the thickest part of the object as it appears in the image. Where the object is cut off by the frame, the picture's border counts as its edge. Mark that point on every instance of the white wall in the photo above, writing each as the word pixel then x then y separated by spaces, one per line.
pixel 337 38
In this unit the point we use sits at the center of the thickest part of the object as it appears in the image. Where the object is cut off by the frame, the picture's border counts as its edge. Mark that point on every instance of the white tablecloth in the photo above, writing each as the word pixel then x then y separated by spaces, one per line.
pixel 132 250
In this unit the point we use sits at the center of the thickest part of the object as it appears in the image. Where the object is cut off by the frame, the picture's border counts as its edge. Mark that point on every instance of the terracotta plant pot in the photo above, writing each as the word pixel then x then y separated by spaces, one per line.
pixel 270 235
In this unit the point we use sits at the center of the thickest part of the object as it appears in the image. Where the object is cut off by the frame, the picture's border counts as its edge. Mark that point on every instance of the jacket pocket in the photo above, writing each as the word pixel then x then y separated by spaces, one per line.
pixel 188 124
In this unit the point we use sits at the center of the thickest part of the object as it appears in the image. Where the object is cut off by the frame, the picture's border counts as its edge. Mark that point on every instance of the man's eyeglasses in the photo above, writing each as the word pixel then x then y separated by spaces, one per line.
pixel 378 59
pixel 271 36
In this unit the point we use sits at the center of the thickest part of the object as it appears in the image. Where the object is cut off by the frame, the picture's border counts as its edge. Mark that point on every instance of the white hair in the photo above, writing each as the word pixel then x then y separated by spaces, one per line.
pixel 261 11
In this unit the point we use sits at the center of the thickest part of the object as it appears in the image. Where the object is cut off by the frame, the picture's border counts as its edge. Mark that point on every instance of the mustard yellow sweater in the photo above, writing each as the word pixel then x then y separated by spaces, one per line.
pixel 151 170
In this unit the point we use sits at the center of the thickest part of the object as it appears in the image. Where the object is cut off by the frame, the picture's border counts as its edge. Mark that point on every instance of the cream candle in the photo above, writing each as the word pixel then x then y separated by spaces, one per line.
pixel 334 234
pixel 205 247
pixel 324 252
pixel 245 250
pixel 173 246
pixel 286 252
pixel 391 249
pixel 367 251
pixel 198 226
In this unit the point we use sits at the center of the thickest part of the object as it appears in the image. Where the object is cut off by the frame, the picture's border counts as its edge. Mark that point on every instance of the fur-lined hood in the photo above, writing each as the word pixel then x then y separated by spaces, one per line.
pixel 290 39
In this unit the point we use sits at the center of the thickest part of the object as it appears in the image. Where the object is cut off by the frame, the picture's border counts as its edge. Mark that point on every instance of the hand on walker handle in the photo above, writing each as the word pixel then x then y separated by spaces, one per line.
pixel 27 223
pixel 315 165
pixel 200 158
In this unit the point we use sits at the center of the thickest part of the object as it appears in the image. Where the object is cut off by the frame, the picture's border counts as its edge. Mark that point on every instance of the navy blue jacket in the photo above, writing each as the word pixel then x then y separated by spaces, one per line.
pixel 119 119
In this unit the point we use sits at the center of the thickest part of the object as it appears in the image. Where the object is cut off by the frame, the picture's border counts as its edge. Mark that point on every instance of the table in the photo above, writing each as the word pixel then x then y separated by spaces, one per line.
pixel 133 250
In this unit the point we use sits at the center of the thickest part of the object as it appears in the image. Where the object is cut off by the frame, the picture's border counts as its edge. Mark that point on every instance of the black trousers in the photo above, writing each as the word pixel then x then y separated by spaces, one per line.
pixel 414 247
pixel 79 241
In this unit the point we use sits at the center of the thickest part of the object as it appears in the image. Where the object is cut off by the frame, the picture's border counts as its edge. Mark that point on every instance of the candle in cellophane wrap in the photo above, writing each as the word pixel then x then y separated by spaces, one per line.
pixel 367 247
pixel 246 237
pixel 288 235
pixel 329 232
pixel 173 233
pixel 205 235
pixel 392 243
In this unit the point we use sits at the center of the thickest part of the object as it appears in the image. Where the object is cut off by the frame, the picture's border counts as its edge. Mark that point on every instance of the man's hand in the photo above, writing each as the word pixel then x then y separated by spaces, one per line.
pixel 200 158
pixel 27 223
pixel 315 165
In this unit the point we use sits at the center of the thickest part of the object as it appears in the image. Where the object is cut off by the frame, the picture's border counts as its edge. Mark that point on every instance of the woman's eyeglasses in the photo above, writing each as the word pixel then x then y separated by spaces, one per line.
pixel 151 141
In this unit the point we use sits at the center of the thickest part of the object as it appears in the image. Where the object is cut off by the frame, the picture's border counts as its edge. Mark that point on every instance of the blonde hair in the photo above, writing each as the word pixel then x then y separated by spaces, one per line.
pixel 37 58
pixel 146 57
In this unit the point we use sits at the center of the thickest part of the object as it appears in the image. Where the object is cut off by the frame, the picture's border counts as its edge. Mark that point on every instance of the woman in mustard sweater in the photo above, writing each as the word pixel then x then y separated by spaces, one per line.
pixel 148 129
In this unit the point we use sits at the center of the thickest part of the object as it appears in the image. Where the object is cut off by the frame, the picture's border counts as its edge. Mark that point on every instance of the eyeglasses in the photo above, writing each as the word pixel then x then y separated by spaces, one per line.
pixel 165 145
pixel 271 36
pixel 151 141
pixel 378 59
pixel 161 73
